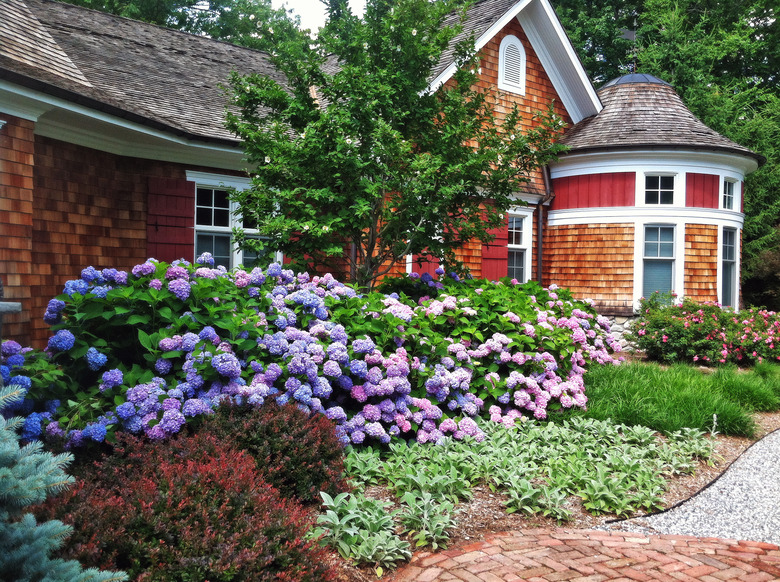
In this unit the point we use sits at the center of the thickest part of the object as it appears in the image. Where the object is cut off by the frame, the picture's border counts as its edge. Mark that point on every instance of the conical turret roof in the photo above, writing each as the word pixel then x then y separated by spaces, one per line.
pixel 643 112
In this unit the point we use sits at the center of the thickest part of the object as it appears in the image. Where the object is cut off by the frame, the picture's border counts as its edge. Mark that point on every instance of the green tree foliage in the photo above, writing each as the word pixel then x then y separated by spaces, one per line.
pixel 27 476
pixel 358 163
pixel 723 59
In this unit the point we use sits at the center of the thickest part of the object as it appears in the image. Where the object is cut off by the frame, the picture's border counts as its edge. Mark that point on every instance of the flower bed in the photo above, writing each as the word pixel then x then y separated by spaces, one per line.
pixel 146 351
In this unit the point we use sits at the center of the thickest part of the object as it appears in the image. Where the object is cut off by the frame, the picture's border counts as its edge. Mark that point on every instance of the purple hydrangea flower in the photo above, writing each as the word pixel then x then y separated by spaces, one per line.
pixel 227 365
pixel 195 407
pixel 155 284
pixel 11 348
pixel 205 259
pixel 163 366
pixel 180 288
pixel 112 378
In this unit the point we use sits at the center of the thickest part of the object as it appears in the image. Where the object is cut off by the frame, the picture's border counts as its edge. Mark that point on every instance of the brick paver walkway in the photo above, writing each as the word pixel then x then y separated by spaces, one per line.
pixel 592 556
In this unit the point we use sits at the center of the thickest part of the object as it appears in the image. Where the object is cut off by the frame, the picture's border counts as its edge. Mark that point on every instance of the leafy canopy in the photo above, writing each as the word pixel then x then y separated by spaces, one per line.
pixel 357 163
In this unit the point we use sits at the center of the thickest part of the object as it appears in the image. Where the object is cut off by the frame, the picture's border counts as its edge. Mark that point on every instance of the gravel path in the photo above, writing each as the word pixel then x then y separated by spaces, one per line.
pixel 743 504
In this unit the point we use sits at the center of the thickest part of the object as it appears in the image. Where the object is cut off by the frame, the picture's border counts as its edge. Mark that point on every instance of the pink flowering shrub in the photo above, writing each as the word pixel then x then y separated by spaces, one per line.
pixel 706 333
pixel 129 354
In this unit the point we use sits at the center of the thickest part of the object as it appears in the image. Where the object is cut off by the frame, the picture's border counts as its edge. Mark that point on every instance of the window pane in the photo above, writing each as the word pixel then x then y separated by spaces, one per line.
pixel 205 197
pixel 657 277
pixel 651 197
pixel 667 182
pixel 659 189
pixel 221 199
pixel 221 217
pixel 666 233
pixel 516 265
pixel 203 217
pixel 652 182
pixel 667 197
pixel 217 245
pixel 729 269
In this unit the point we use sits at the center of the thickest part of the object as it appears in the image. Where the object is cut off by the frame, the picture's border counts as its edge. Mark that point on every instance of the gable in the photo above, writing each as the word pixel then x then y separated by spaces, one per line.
pixel 486 19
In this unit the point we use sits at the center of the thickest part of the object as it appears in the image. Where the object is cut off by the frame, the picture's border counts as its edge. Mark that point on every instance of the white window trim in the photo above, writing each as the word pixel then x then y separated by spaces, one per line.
pixel 678 196
pixel 503 84
pixel 219 181
pixel 678 265
pixel 527 215
pixel 737 264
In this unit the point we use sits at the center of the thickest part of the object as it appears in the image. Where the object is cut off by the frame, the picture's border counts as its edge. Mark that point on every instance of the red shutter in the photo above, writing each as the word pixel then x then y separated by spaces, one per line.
pixel 170 223
pixel 701 191
pixel 495 255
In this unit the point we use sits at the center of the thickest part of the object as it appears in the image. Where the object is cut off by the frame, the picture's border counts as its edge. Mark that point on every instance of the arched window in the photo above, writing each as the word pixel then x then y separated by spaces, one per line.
pixel 511 65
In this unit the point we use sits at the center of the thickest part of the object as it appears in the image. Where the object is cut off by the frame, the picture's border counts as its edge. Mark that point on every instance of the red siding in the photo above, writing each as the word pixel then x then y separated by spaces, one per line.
pixel 701 191
pixel 496 255
pixel 594 190
pixel 171 219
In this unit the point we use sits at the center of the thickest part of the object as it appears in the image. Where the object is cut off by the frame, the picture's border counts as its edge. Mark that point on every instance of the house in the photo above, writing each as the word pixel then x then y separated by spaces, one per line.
pixel 113 149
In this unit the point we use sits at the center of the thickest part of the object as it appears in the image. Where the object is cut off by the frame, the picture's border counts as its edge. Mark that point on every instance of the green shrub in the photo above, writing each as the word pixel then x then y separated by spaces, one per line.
pixel 705 333
pixel 297 453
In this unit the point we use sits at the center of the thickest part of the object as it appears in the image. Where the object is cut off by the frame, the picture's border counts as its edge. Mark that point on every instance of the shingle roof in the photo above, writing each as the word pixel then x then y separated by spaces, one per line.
pixel 644 112
pixel 157 76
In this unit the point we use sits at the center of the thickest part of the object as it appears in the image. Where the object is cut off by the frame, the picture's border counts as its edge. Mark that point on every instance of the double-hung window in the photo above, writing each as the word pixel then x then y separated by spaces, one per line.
pixel 215 218
pixel 518 243
pixel 658 266
pixel 729 268
pixel 659 189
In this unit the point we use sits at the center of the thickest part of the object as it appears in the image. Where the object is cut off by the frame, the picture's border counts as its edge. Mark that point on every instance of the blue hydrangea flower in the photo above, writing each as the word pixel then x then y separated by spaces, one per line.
pixel 76 286
pixel 15 361
pixel 274 270
pixel 163 366
pixel 95 360
pixel 23 381
pixel 205 259
pixel 94 431
pixel 32 427
pixel 62 341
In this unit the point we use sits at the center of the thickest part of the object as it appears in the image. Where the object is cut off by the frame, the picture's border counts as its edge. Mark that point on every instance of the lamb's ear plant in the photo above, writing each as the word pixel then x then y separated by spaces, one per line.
pixel 427 520
pixel 361 530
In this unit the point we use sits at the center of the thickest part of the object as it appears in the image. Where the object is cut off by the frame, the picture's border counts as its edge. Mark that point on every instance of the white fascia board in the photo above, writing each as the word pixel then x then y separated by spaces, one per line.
pixel 644 215
pixel 559 60
pixel 445 75
pixel 138 141
pixel 217 180
pixel 636 160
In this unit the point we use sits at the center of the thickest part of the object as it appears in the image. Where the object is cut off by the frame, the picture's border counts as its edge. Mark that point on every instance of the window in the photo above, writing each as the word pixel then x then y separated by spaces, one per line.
pixel 658 260
pixel 511 65
pixel 659 189
pixel 729 258
pixel 518 252
pixel 215 219
pixel 728 195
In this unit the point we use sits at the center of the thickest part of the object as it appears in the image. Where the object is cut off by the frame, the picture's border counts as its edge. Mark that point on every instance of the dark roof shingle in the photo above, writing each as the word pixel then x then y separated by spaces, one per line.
pixel 155 75
pixel 641 111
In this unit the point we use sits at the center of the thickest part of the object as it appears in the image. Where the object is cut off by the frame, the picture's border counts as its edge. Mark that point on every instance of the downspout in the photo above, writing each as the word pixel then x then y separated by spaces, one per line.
pixel 548 197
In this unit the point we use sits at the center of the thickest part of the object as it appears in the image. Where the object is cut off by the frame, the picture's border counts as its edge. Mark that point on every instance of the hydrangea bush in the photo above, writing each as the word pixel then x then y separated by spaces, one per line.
pixel 706 333
pixel 146 351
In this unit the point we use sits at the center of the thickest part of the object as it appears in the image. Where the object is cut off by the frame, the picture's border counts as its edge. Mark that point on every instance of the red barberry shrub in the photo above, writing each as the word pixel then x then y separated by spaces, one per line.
pixel 192 508
pixel 297 453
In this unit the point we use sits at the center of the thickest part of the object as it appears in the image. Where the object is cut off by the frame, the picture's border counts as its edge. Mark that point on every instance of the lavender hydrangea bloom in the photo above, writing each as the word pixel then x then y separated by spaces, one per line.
pixel 274 270
pixel 143 269
pixel 112 378
pixel 227 365
pixel 10 348
pixel 205 259
pixel 180 288
pixel 172 421
pixel 62 341
pixel 195 407
pixel 163 366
